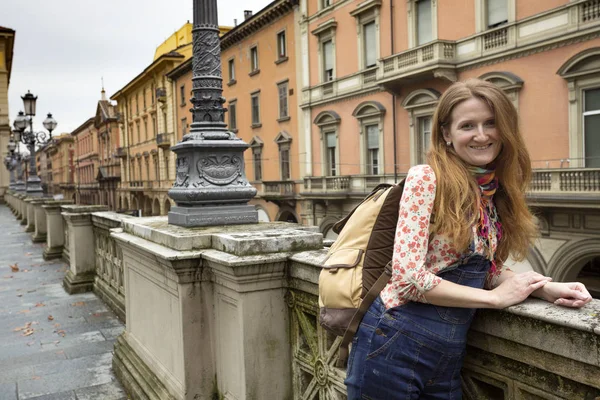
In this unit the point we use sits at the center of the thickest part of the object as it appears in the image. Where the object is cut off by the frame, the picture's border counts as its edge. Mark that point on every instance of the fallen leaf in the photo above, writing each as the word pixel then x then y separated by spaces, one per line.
pixel 61 332
pixel 28 253
pixel 21 328
pixel 7 276
pixel 59 352
pixel 15 267
pixel 36 378
pixel 28 332
pixel 50 318
pixel 79 304
pixel 24 311
pixel 25 270
pixel 40 304
pixel 57 325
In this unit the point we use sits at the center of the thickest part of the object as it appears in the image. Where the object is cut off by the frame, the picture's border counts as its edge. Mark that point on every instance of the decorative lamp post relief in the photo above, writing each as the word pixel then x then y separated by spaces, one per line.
pixel 211 187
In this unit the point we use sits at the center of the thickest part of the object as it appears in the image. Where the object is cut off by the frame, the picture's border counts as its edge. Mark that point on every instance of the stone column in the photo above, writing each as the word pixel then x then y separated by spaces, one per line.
pixel 55 236
pixel 23 209
pixel 82 262
pixel 219 326
pixel 39 220
pixel 30 225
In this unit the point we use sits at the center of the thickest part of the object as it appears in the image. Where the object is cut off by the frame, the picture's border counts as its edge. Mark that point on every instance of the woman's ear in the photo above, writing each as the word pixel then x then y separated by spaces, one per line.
pixel 445 133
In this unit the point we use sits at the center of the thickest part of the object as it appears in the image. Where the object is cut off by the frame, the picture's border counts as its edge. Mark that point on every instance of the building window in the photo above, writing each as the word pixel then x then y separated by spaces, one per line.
pixel 257 162
pixel 257 145
pixel 328 60
pixel 183 126
pixel 284 141
pixel 373 163
pixel 233 115
pixel 424 139
pixel 281 46
pixel 139 134
pixel 166 158
pixel 497 13
pixel 231 64
pixel 152 93
pixel 153 126
pixel 424 26
pixel 591 128
pixel 282 90
pixel 182 95
pixel 325 3
pixel 146 133
pixel 330 153
pixel 369 44
pixel 255 104
pixel 254 59
pixel 284 164
pixel 144 94
pixel 137 105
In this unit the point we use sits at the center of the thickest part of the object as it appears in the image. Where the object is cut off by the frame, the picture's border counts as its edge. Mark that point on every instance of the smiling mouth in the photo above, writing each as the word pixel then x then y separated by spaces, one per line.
pixel 487 146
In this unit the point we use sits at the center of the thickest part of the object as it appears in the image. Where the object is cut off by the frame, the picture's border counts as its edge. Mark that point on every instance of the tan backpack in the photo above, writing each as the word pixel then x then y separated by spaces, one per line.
pixel 358 264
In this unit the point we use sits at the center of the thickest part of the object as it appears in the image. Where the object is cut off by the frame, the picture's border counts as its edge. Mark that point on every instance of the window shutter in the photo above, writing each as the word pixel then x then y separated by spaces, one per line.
pixel 330 139
pixel 370 45
pixel 372 137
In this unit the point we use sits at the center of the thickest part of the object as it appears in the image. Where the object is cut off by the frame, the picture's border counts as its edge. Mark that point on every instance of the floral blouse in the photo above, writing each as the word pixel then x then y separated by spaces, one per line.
pixel 416 260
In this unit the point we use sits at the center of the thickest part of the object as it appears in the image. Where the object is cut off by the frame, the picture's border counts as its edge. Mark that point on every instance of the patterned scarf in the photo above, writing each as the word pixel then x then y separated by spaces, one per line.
pixel 488 184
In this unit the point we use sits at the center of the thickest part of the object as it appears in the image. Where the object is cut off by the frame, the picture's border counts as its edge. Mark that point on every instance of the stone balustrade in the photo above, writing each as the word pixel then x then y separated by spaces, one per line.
pixel 79 243
pixel 109 283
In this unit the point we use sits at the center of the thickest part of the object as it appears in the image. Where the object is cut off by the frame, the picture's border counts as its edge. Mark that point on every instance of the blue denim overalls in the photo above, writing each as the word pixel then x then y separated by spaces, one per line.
pixel 416 350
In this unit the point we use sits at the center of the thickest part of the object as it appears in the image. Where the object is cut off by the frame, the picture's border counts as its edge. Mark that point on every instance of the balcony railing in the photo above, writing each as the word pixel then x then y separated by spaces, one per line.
pixel 347 184
pixel 439 53
pixel 572 180
pixel 120 152
pixel 279 188
pixel 161 94
pixel 163 140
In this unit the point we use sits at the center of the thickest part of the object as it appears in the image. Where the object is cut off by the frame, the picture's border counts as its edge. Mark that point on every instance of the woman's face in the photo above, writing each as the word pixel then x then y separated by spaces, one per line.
pixel 472 132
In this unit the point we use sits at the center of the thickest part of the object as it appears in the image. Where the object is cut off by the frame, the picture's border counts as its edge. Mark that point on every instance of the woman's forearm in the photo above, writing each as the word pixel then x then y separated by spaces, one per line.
pixel 450 294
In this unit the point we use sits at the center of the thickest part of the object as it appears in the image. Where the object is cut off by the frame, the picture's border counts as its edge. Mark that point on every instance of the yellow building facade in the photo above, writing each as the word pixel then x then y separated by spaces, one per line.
pixel 7 40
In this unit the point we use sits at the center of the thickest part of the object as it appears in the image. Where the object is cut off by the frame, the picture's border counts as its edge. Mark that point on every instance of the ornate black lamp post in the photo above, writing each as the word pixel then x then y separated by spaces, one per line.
pixel 10 162
pixel 31 139
pixel 211 186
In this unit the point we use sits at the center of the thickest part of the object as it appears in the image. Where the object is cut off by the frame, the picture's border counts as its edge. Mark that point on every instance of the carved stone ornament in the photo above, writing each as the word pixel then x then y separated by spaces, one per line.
pixel 182 172
pixel 220 170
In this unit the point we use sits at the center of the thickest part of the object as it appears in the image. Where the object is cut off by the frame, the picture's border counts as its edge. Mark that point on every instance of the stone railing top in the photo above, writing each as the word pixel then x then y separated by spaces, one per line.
pixel 583 319
pixel 83 209
pixel 56 203
pixel 110 215
pixel 235 239
pixel 42 200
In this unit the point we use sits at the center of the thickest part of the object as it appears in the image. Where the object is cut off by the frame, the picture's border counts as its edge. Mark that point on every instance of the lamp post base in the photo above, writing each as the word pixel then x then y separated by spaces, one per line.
pixel 213 215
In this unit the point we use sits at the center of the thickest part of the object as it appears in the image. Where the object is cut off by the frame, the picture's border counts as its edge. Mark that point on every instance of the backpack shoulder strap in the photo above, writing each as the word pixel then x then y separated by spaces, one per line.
pixel 358 315
pixel 338 226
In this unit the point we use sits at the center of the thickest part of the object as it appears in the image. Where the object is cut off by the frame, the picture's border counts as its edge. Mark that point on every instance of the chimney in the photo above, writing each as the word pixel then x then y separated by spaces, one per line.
pixel 103 97
pixel 247 14
pixel 235 22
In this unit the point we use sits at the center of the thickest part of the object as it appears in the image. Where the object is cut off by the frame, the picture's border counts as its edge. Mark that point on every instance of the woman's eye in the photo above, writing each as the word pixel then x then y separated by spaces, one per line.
pixel 466 126
pixel 490 123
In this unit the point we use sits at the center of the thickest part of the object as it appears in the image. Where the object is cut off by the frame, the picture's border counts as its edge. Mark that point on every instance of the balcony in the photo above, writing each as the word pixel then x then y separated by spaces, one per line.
pixel 432 59
pixel 441 58
pixel 164 140
pixel 161 94
pixel 343 186
pixel 120 152
pixel 570 187
pixel 272 190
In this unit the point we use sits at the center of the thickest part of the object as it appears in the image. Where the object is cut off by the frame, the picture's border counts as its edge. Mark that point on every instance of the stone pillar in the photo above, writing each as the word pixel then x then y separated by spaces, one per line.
pixel 219 326
pixel 23 209
pixel 55 236
pixel 39 220
pixel 82 262
pixel 30 225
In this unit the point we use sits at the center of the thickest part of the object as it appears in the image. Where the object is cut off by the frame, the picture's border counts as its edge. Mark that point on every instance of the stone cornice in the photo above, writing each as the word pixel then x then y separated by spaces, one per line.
pixel 270 13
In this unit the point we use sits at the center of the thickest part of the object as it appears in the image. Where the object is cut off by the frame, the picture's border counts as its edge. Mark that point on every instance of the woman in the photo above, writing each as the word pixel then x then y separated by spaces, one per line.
pixel 460 218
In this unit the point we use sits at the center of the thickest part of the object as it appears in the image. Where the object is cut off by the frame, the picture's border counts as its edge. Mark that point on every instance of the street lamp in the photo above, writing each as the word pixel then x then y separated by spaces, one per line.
pixel 13 164
pixel 31 139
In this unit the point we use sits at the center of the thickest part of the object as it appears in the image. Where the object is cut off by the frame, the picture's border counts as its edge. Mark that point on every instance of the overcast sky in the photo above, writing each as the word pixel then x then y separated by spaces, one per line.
pixel 63 48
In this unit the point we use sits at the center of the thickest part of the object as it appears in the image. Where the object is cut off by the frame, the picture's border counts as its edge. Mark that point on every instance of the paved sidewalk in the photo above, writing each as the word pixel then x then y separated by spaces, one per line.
pixel 52 346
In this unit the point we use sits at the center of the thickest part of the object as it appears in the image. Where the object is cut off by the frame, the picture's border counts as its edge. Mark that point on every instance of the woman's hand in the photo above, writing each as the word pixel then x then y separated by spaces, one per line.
pixel 568 294
pixel 517 288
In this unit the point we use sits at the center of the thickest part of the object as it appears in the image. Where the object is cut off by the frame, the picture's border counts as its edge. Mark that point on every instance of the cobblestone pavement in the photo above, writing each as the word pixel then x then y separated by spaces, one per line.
pixel 52 345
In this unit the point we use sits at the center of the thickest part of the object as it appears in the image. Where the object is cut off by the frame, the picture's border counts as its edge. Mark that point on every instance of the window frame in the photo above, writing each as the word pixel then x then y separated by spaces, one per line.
pixel 413 40
pixel 365 14
pixel 232 118
pixel 281 56
pixel 256 144
pixel 254 60
pixel 370 113
pixel 182 95
pixel 231 71
pixel 255 123
pixel 283 85
pixel 326 32
pixel 419 103
pixel 481 15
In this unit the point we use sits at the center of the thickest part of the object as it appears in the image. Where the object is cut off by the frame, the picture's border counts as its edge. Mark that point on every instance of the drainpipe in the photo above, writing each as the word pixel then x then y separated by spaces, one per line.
pixel 394 98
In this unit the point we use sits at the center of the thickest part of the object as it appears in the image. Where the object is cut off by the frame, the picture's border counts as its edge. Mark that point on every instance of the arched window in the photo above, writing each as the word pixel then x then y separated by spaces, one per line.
pixel 420 105
pixel 510 83
pixel 582 73
pixel 370 124
pixel 328 123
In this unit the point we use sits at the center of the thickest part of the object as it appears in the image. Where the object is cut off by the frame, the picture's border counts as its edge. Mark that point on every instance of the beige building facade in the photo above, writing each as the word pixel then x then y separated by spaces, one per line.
pixel 7 40
pixel 86 163
pixel 61 157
